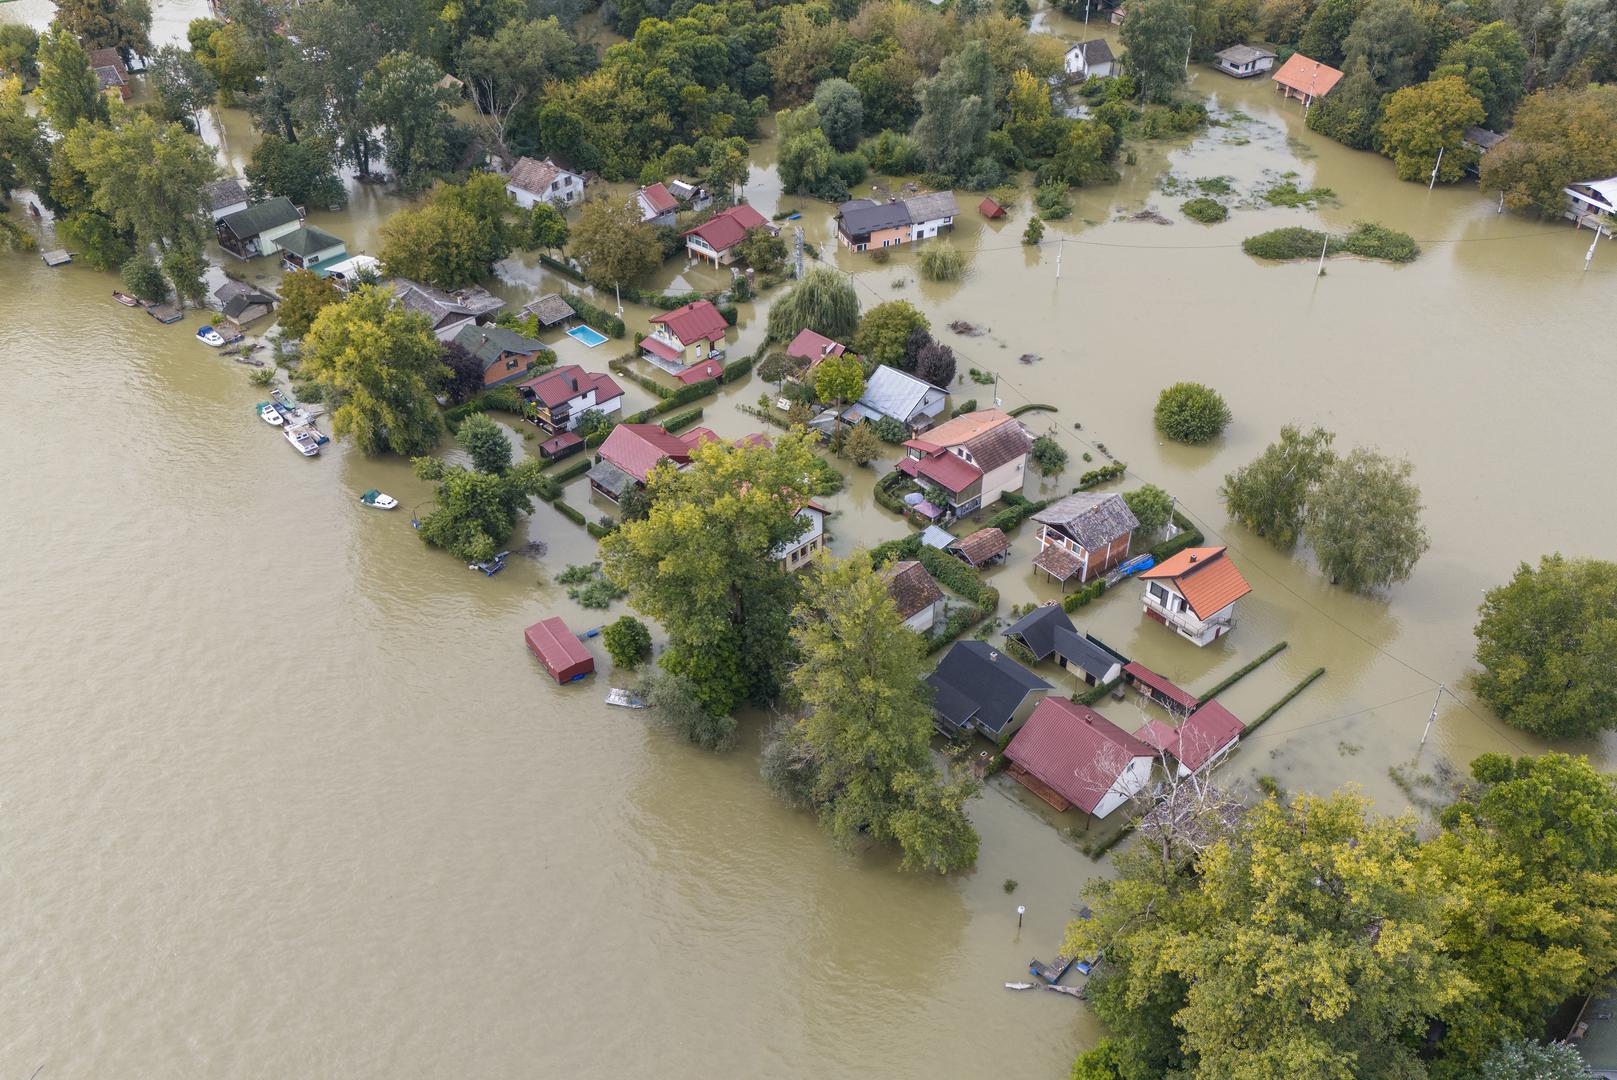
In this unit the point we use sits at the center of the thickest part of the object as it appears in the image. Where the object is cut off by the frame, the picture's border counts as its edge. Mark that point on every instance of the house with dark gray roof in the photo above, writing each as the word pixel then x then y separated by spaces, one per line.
pixel 1091 60
pixel 448 312
pixel 867 224
pixel 978 688
pixel 224 197
pixel 241 304
pixel 504 354
pixel 1084 535
pixel 930 213
pixel 549 310
pixel 256 230
pixel 1244 61
pixel 1047 631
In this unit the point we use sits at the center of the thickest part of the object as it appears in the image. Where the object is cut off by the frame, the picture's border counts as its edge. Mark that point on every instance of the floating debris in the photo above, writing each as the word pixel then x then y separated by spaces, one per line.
pixel 1030 358
pixel 1020 986
pixel 1151 216
pixel 961 326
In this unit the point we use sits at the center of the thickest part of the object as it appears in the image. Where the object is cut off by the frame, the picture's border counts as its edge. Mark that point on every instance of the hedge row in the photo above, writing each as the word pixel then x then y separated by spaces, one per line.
pixel 571 513
pixel 765 415
pixel 893 550
pixel 1098 691
pixel 1032 407
pixel 735 371
pixel 955 575
pixel 598 531
pixel 884 493
pixel 1017 510
pixel 1293 692
pixel 1241 673
pixel 1084 596
pixel 571 471
pixel 620 366
pixel 1097 477
pixel 600 318
pixel 682 421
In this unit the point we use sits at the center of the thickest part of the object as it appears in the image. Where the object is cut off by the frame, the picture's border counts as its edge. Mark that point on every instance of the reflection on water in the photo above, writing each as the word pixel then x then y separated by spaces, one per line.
pixel 287 794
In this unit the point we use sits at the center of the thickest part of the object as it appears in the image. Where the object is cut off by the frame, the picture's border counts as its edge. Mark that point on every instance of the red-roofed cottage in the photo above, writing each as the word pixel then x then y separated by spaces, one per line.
pixel 684 336
pixel 630 453
pixel 716 238
pixel 813 347
pixel 1205 736
pixel 560 397
pixel 1306 79
pixel 1194 593
pixel 974 458
pixel 656 204
pixel 1069 754
pixel 563 655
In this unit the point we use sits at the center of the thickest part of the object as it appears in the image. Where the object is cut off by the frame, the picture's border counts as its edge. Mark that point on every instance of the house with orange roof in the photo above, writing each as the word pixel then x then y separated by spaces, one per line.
pixel 1194 593
pixel 1305 79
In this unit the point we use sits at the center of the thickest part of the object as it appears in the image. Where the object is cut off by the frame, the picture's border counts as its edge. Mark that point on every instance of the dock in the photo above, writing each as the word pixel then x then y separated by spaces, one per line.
pixel 56 257
pixel 165 313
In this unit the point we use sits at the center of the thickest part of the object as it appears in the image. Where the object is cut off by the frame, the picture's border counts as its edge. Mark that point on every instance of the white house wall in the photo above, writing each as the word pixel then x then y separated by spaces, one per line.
pixel 1129 783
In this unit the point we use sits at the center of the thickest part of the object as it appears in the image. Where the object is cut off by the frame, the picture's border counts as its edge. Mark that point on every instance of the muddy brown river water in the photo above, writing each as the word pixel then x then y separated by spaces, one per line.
pixel 282 793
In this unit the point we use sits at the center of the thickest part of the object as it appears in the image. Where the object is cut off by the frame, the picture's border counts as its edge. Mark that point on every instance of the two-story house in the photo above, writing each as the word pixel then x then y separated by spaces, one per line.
pixel 889 392
pixel 1194 593
pixel 796 554
pixel 532 182
pixel 930 214
pixel 560 397
pixel 865 224
pixel 656 204
pixel 253 231
pixel 1084 535
pixel 684 336
pixel 718 238
pixel 974 458
pixel 504 354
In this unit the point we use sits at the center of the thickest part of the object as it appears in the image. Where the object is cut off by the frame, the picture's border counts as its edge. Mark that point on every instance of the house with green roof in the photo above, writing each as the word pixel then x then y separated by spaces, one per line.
pixel 505 354
pixel 314 249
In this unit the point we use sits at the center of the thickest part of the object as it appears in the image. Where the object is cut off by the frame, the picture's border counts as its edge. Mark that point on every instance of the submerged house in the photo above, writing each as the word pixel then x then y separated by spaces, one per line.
pixel 449 312
pixel 718 238
pixel 1084 535
pixel 1305 79
pixel 866 224
pixel 973 458
pixel 1047 631
pixel 1244 61
pixel 110 72
pixel 915 593
pixel 1194 593
pixel 224 197
pixel 531 182
pixel 310 248
pixel 684 336
pixel 255 231
pixel 560 397
pixel 504 354
pixel 1591 200
pixel 549 310
pixel 985 547
pixel 889 392
pixel 1091 60
pixel 978 688
pixel 795 554
pixel 241 304
pixel 1070 755
pixel 656 204
pixel 630 453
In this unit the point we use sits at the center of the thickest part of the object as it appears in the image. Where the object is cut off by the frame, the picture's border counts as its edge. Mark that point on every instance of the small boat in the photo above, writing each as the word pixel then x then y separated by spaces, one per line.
pixel 378 500
pixel 125 299
pixel 268 413
pixel 1020 986
pixel 628 699
pixel 300 437
pixel 210 337
pixel 492 566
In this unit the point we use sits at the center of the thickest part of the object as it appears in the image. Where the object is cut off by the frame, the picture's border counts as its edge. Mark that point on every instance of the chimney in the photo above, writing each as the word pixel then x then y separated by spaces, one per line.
pixel 1193 558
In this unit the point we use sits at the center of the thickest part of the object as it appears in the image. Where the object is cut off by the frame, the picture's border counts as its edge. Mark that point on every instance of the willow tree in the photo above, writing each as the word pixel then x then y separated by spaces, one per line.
pixel 1364 521
pixel 379 365
pixel 823 301
pixel 701 562
pixel 863 744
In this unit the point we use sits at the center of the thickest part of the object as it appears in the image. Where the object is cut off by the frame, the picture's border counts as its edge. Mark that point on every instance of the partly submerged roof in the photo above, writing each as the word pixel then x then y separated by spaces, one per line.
pixel 991 680
pixel 1037 628
pixel 1075 750
pixel 912 588
pixel 1204 733
pixel 984 544
pixel 558 648
pixel 1307 75
pixel 1205 577
pixel 1091 518
pixel 1183 700
pixel 1243 54
pixel 550 309
pixel 248 223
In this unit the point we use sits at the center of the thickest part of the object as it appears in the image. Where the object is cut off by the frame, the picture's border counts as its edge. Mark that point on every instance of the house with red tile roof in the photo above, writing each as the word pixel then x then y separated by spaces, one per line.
pixel 560 397
pixel 717 237
pixel 1205 736
pixel 656 204
pixel 684 336
pixel 812 347
pixel 1070 755
pixel 973 458
pixel 1160 689
pixel 632 451
pixel 1194 593
pixel 1305 78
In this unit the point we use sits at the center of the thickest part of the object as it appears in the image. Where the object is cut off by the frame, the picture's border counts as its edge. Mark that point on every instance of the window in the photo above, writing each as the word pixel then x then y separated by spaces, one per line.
pixel 1158 593
pixel 511 364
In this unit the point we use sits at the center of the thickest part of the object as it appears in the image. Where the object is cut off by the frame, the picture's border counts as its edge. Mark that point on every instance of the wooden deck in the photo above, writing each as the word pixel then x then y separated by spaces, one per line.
pixel 1044 791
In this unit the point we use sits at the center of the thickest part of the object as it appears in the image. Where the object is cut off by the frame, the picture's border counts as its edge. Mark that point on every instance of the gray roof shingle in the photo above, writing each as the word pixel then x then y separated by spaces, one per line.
pixel 1091 518
pixel 976 672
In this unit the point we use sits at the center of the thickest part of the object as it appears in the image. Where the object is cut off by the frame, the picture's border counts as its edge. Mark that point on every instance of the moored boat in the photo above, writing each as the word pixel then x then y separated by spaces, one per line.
pixel 492 566
pixel 268 413
pixel 379 500
pixel 302 437
pixel 626 699
pixel 125 299
pixel 210 337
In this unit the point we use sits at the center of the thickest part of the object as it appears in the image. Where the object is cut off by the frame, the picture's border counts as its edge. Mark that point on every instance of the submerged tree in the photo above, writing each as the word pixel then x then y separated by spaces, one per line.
pixel 486 443
pixel 1156 42
pixel 884 334
pixel 302 171
pixel 379 365
pixel 613 245
pixel 1364 521
pixel 823 301
pixel 68 89
pixel 1269 495
pixel 1423 127
pixel 304 294
pixel 1546 642
pixel 957 110
pixel 403 96
pixel 475 512
pixel 865 735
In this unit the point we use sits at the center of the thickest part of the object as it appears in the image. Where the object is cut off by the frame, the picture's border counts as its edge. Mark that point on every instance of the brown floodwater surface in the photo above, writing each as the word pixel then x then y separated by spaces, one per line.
pixel 284 794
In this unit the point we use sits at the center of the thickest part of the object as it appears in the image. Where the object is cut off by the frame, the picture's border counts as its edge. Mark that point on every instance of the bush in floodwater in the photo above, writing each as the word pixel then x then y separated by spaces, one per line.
pixel 627 640
pixel 1011 884
pixel 1189 412
pixel 1367 240
pixel 263 376
pixel 144 278
pixel 1371 241
pixel 1287 193
pixel 941 262
pixel 1205 210
pixel 674 704
pixel 1292 242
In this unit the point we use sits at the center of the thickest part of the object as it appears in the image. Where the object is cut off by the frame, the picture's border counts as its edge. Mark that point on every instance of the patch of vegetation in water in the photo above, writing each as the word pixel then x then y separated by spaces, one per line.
pixel 1205 210
pixel 1366 240
pixel 1289 194
pixel 1214 185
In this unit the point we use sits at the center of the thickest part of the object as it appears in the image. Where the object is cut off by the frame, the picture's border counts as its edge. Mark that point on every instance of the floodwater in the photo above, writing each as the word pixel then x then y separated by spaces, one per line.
pixel 284 794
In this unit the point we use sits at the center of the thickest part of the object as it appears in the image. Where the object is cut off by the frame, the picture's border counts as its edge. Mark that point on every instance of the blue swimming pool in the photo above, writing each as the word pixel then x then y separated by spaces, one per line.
pixel 588 335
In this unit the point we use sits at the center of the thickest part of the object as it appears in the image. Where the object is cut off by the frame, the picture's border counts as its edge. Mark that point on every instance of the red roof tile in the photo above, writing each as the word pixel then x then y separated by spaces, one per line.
pixel 1074 750
pixel 560 385
pixel 1204 733
pixel 696 321
pixel 1160 734
pixel 559 650
pixel 988 208
pixel 638 448
pixel 1307 75
pixel 1181 698
pixel 1205 577
pixel 659 198
pixel 953 474
pixel 728 228
pixel 811 346
pixel 707 369
pixel 659 347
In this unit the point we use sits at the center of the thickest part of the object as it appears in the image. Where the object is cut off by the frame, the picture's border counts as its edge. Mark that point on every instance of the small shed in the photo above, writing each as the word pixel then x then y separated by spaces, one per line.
pixel 564 445
pixel 56 257
pixel 549 310
pixel 982 548
pixel 563 655
pixel 1160 689
pixel 990 209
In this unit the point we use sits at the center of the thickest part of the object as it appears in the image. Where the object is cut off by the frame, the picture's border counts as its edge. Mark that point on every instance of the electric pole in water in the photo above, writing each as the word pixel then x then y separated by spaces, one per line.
pixel 799 251
pixel 1438 166
pixel 1430 720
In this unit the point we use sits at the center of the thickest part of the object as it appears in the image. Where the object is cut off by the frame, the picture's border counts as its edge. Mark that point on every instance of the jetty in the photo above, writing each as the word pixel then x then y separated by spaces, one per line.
pixel 165 313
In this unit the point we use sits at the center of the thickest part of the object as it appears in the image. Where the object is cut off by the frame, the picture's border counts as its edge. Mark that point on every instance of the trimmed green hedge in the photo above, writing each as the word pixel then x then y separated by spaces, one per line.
pixel 600 318
pixel 1084 596
pixel 569 512
pixel 908 547
pixel 571 471
pixel 1098 691
pixel 1190 536
pixel 1241 673
pixel 1097 477
pixel 598 531
pixel 737 370
pixel 884 493
pixel 682 421
pixel 765 415
pixel 1034 407
pixel 1276 707
pixel 1017 510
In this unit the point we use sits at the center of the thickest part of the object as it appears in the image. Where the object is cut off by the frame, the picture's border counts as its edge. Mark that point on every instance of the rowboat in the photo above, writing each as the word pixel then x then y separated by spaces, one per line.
pixel 209 336
pixel 125 299
pixel 378 500
pixel 1020 986
pixel 626 699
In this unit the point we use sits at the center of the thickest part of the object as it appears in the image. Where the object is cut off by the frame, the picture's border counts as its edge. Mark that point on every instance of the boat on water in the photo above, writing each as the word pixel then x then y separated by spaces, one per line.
pixel 626 699
pixel 125 299
pixel 303 438
pixel 379 500
pixel 1020 986
pixel 492 566
pixel 210 337
pixel 268 413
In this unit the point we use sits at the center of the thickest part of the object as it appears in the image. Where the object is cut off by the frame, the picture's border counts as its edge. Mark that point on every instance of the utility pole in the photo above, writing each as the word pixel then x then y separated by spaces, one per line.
pixel 1430 720
pixel 799 251
pixel 1590 254
pixel 1061 244
pixel 1323 247
pixel 1436 167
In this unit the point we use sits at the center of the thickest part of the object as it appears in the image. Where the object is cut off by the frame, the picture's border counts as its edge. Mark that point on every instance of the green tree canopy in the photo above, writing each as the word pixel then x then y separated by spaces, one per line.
pixel 379 364
pixel 1493 62
pixel 145 175
pixel 841 112
pixel 1560 136
pixel 1545 641
pixel 1419 121
pixel 839 379
pixel 1327 30
pixel 24 151
pixel 124 25
pixel 1156 40
pixel 184 87
pixel 456 238
pixel 337 44
pixel 401 94
pixel 1269 495
pixel 486 443
pixel 1189 412
pixel 1394 40
pixel 1364 521
pixel 885 330
pixel 19 51
pixel 702 563
pixel 627 641
pixel 613 245
pixel 1349 113
pixel 822 301
pixel 547 229
pixel 1150 505
pixel 957 110
pixel 865 734
pixel 475 512
pixel 1048 455
pixel 303 295
pixel 302 171
pixel 68 89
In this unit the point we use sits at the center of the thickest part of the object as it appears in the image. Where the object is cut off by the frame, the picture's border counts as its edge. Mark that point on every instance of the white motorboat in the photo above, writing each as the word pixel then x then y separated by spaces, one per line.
pixel 304 438
pixel 380 500
pixel 268 413
pixel 210 337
